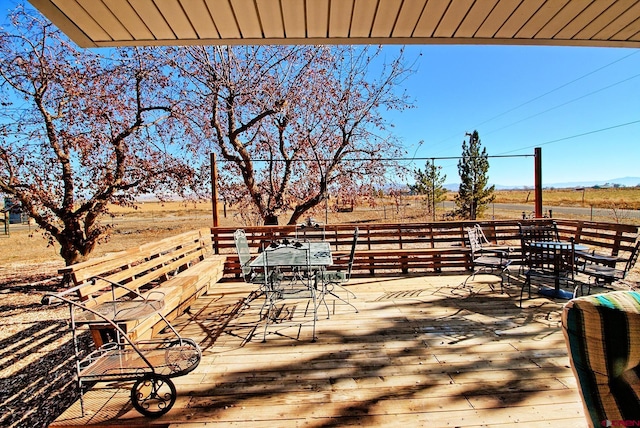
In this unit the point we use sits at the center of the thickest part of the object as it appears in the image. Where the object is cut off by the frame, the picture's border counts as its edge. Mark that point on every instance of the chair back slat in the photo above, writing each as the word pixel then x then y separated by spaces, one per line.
pixel 352 254
pixel 474 241
pixel 539 232
pixel 244 254
pixel 633 258
pixel 550 259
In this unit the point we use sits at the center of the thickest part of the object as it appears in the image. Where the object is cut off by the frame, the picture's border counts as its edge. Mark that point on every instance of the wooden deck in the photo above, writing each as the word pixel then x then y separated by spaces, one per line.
pixel 420 352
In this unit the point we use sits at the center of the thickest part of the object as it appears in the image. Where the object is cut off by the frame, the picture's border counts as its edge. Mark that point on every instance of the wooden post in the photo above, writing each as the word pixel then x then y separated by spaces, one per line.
pixel 538 182
pixel 214 189
pixel 433 191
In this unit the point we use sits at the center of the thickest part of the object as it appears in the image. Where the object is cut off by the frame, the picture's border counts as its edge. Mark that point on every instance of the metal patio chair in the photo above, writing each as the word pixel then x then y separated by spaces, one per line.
pixel 334 279
pixel 486 259
pixel 608 273
pixel 286 285
pixel 535 233
pixel 550 262
pixel 244 255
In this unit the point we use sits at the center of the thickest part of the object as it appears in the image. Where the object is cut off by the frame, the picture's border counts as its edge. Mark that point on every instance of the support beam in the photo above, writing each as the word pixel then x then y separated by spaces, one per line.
pixel 214 189
pixel 538 182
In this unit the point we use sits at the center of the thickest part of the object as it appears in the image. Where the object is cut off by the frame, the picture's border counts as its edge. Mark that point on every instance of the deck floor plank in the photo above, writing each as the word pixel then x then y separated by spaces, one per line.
pixel 421 351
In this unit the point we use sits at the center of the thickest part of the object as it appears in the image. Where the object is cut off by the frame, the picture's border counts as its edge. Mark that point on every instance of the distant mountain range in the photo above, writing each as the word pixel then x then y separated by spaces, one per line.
pixel 623 181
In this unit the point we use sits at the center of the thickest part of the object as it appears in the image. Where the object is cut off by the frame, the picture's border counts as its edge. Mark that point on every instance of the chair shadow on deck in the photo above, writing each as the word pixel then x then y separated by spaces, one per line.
pixel 414 345
pixel 434 329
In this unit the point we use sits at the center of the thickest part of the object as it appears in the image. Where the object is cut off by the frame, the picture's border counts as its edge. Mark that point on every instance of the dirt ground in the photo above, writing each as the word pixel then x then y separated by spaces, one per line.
pixel 36 350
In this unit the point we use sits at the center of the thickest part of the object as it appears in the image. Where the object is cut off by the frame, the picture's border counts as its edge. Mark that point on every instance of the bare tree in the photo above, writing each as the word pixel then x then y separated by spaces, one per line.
pixel 295 124
pixel 80 131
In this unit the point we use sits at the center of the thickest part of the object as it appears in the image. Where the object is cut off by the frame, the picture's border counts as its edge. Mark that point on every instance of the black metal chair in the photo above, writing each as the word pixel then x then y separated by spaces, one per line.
pixel 535 233
pixel 607 273
pixel 551 263
pixel 539 232
pixel 486 259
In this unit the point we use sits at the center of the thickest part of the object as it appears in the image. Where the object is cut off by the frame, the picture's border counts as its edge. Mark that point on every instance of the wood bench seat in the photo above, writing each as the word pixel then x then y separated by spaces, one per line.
pixel 181 268
pixel 180 292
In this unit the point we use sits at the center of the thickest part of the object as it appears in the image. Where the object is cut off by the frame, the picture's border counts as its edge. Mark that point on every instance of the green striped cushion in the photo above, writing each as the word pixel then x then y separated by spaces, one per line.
pixel 603 337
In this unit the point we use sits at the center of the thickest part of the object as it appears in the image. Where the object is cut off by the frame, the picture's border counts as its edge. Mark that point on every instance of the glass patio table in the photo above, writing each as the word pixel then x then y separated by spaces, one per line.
pixel 291 256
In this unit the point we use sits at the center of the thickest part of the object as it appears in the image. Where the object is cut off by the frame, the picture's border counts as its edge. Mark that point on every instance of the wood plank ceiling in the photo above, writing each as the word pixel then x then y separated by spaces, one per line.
pixel 97 23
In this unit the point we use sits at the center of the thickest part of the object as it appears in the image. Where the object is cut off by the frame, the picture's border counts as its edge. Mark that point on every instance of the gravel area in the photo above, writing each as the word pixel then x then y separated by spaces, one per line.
pixel 36 351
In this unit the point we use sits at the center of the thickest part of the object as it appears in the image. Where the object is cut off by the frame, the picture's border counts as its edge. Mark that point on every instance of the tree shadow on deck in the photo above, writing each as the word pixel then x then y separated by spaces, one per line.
pixel 414 350
pixel 416 356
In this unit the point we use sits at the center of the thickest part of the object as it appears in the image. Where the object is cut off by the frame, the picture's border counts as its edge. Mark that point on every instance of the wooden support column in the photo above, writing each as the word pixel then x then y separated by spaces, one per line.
pixel 214 189
pixel 538 181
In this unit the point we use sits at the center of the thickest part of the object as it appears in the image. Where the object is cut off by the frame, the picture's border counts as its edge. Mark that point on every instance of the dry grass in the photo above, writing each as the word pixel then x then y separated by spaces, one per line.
pixel 27 245
pixel 620 198
pixel 151 221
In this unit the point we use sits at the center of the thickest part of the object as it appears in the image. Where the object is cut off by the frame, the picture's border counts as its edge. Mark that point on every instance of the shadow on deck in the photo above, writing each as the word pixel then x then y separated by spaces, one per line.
pixel 421 351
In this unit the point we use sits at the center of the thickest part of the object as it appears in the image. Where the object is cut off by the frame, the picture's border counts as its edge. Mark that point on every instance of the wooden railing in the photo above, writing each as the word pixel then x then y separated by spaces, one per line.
pixel 436 246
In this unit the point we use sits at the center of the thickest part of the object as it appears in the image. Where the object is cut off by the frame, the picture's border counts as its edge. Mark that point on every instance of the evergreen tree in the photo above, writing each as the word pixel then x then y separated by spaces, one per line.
pixel 430 183
pixel 474 195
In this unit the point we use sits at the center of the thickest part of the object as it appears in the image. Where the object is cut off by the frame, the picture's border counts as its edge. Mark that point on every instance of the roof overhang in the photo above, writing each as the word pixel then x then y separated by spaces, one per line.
pixel 104 23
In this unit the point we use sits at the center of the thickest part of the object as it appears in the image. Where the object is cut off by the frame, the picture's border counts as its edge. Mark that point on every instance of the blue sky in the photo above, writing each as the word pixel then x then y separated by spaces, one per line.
pixel 577 104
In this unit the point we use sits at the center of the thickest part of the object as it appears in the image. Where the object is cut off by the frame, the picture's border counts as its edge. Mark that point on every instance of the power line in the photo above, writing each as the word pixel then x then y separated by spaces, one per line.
pixel 379 159
pixel 577 135
pixel 557 88
pixel 550 92
pixel 563 104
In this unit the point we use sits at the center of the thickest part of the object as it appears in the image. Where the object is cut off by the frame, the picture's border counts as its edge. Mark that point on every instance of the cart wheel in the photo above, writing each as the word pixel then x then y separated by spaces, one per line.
pixel 184 359
pixel 153 395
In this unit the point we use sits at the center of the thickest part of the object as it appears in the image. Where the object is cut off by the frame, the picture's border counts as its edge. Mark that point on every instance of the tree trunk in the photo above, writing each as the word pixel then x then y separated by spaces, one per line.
pixel 69 253
pixel 271 220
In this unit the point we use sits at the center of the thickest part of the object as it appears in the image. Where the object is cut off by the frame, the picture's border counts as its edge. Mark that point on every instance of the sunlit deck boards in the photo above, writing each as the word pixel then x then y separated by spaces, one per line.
pixel 420 352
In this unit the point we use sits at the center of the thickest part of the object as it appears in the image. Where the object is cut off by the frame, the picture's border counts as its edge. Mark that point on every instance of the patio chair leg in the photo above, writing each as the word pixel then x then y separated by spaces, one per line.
pixel 349 292
pixel 328 289
pixel 502 275
pixel 326 306
pixel 323 293
pixel 527 282
pixel 343 300
pixel 266 326
pixel 314 307
pixel 472 276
